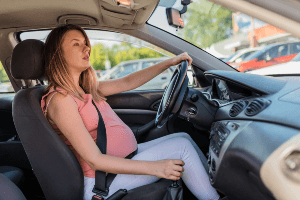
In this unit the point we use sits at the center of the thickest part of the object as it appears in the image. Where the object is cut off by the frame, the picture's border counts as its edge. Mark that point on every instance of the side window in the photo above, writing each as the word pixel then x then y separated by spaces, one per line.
pixel 114 55
pixel 148 64
pixel 128 54
pixel 263 56
pixel 126 69
pixel 5 85
pixel 283 50
pixel 273 52
pixel 245 55
pixel 295 48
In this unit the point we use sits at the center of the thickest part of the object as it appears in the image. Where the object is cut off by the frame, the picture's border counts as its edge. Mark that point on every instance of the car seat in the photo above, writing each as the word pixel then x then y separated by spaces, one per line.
pixel 12 173
pixel 55 166
pixel 8 190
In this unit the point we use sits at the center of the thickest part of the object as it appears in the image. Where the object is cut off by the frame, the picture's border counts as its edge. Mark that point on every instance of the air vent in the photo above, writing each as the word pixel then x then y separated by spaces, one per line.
pixel 237 108
pixel 256 106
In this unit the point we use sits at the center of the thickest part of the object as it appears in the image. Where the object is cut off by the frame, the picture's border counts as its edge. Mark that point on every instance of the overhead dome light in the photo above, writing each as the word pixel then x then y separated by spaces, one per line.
pixel 125 3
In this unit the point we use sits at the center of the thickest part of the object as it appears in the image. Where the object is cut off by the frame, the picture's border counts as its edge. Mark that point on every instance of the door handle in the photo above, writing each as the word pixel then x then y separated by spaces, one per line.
pixel 163 78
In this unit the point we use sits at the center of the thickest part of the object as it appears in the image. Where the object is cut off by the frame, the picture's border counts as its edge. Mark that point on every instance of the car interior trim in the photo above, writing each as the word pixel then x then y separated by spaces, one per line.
pixel 280 171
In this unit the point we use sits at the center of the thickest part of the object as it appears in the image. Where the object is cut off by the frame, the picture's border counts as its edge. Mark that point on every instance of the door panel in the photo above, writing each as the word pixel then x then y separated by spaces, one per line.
pixel 135 109
pixel 7 127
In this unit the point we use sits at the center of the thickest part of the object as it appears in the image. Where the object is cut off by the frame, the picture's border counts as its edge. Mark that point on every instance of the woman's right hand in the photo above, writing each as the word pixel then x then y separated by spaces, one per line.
pixel 169 169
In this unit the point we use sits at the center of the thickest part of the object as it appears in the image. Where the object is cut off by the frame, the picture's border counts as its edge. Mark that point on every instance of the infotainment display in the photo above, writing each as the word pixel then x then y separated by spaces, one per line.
pixel 222 90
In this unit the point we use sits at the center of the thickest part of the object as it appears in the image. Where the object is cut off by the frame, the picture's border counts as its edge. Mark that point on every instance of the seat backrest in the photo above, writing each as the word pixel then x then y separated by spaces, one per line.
pixel 55 166
pixel 8 190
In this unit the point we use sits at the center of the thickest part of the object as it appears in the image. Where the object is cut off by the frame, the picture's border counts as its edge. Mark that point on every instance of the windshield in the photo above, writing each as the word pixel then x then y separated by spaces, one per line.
pixel 223 32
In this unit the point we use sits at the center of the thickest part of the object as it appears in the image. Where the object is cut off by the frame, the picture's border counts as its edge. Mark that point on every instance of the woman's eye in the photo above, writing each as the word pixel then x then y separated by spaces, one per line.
pixel 76 44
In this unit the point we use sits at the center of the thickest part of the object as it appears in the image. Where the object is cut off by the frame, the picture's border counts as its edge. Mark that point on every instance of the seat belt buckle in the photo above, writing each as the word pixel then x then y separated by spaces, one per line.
pixel 97 197
pixel 100 193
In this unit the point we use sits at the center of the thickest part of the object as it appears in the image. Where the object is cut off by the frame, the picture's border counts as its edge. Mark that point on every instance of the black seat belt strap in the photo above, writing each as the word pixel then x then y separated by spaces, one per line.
pixel 103 181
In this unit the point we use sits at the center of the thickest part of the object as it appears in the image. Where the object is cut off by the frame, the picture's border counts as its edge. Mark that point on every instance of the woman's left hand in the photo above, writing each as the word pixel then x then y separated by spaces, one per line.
pixel 184 56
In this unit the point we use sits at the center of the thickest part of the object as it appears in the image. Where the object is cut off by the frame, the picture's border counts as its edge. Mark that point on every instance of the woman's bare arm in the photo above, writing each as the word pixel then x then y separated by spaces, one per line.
pixel 136 79
pixel 63 111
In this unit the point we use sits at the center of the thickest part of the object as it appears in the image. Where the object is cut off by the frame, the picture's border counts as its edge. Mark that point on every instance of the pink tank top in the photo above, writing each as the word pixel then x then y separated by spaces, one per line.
pixel 120 139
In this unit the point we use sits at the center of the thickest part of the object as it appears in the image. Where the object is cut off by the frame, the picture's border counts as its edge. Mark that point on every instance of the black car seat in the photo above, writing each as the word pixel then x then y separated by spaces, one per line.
pixel 8 190
pixel 12 173
pixel 55 166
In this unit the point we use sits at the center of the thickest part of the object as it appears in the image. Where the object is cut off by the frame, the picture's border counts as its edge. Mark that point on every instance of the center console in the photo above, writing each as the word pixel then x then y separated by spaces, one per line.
pixel 221 134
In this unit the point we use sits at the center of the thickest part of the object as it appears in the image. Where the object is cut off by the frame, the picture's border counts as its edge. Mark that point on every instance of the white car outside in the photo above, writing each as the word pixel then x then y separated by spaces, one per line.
pixel 158 82
pixel 242 54
pixel 127 67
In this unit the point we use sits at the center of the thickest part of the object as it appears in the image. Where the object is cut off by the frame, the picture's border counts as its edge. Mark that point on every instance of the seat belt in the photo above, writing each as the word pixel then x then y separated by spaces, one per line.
pixel 102 182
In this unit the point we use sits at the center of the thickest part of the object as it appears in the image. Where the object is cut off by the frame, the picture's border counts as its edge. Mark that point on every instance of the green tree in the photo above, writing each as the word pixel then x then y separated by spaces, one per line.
pixel 119 53
pixel 126 52
pixel 206 23
pixel 98 57
pixel 3 75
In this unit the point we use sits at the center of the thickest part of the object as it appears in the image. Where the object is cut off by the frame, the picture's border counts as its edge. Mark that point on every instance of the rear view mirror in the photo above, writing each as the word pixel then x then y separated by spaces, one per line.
pixel 174 18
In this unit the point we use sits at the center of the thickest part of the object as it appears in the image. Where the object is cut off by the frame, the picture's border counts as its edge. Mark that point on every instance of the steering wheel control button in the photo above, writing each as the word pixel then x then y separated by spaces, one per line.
pixel 194 97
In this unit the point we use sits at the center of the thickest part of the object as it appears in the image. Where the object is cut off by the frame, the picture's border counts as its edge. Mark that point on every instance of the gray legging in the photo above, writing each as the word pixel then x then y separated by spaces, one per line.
pixel 173 146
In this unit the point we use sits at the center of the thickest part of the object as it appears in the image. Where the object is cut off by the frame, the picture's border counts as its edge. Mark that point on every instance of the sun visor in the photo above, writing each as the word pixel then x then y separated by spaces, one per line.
pixel 129 15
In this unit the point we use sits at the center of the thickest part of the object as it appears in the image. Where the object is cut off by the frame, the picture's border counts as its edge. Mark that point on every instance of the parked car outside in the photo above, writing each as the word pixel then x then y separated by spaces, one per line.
pixel 6 87
pixel 242 55
pixel 291 67
pixel 271 55
pixel 228 58
pixel 127 67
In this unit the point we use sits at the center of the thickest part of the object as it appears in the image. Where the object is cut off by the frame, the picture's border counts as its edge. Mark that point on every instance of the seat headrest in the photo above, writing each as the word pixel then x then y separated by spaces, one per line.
pixel 27 60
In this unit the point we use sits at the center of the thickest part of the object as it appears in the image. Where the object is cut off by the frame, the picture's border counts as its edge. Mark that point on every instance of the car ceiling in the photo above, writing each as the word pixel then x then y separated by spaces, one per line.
pixel 28 13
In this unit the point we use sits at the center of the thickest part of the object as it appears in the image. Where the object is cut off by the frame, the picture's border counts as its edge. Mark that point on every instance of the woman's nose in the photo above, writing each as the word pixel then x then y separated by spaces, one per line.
pixel 86 48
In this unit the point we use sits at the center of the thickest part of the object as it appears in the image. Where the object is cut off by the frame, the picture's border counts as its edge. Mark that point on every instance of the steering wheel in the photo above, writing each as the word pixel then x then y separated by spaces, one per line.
pixel 173 95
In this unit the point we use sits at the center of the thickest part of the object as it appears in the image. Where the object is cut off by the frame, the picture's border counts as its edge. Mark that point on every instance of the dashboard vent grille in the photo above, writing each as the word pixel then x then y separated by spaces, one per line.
pixel 256 106
pixel 237 108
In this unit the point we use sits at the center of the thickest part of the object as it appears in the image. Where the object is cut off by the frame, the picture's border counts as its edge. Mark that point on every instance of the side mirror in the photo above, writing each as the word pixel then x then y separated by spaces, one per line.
pixel 174 18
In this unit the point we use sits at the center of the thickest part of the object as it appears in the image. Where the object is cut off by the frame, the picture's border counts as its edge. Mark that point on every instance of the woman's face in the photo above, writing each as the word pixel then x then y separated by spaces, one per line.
pixel 75 51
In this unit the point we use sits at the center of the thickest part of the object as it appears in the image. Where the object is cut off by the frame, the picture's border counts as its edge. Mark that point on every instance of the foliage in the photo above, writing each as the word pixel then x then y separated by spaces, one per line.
pixel 3 75
pixel 206 23
pixel 98 57
pixel 119 53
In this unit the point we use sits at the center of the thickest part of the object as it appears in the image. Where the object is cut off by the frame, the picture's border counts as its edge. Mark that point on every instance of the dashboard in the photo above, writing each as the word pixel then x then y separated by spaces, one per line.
pixel 248 117
pixel 219 94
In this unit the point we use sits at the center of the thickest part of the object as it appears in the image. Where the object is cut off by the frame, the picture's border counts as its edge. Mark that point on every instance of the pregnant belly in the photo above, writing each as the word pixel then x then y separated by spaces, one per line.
pixel 120 141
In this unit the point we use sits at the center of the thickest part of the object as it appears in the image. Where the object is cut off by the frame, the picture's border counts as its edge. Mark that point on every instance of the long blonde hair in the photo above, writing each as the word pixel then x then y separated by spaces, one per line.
pixel 57 73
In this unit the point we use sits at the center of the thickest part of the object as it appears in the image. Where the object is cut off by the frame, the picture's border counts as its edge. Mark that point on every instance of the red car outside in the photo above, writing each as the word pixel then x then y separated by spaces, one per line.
pixel 271 55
